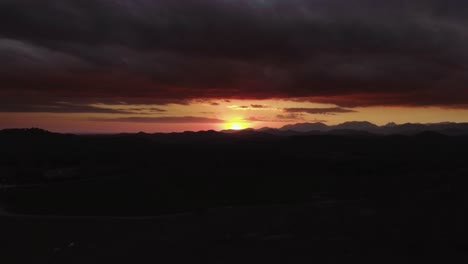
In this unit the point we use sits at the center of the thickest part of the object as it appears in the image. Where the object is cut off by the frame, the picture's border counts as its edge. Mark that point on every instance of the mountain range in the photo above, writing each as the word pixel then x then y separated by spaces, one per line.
pixel 364 127
pixel 347 128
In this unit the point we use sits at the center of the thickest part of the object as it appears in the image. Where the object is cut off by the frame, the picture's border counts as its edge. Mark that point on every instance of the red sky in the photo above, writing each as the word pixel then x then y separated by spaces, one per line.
pixel 115 66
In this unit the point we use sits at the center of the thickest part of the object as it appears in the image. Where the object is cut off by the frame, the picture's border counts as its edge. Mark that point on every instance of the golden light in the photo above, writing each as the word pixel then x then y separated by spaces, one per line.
pixel 236 126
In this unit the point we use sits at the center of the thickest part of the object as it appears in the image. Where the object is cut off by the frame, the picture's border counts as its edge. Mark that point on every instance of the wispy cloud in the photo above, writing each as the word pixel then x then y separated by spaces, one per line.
pixel 167 119
pixel 320 111
pixel 249 107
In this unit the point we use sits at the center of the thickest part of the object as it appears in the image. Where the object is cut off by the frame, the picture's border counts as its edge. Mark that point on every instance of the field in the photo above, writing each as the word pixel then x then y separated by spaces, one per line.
pixel 230 198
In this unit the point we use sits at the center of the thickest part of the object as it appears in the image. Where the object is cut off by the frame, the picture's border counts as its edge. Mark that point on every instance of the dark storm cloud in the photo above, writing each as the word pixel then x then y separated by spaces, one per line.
pixel 319 111
pixel 50 107
pixel 351 53
pixel 167 119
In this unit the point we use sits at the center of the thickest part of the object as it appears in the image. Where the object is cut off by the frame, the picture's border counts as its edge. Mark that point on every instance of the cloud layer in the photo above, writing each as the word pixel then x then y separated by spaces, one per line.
pixel 319 111
pixel 349 53
pixel 167 119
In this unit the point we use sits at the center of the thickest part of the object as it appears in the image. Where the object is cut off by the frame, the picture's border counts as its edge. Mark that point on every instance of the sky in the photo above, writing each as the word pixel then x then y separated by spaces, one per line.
pixel 108 66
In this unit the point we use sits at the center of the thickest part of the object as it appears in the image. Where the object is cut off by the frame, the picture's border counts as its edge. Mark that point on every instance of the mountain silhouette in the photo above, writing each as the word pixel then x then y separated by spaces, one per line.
pixel 444 128
pixel 306 127
pixel 357 125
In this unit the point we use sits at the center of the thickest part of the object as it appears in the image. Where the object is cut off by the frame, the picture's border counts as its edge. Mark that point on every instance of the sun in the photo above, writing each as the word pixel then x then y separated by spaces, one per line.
pixel 236 126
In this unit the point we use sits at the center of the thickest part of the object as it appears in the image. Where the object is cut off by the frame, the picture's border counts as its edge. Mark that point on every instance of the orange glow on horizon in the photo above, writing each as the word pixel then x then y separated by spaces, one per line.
pixel 235 124
pixel 218 115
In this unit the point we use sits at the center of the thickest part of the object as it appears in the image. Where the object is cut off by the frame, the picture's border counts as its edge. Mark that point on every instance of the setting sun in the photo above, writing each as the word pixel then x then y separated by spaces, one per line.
pixel 235 125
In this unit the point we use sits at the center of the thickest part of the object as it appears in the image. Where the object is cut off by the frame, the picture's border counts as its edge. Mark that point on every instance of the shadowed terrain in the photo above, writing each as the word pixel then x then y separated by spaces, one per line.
pixel 245 196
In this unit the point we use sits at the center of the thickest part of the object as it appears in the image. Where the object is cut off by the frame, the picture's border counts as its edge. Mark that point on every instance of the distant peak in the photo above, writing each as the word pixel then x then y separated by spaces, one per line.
pixel 305 127
pixel 265 129
pixel 33 130
pixel 357 125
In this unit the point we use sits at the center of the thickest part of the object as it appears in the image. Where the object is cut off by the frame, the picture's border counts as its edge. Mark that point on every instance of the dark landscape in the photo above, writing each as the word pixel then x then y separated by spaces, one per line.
pixel 233 131
pixel 233 196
